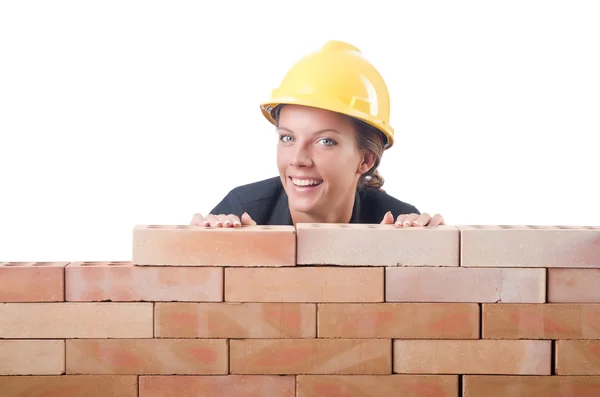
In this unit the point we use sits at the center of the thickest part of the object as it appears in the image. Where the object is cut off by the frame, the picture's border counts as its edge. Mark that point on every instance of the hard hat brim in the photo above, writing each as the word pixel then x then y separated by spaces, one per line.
pixel 268 107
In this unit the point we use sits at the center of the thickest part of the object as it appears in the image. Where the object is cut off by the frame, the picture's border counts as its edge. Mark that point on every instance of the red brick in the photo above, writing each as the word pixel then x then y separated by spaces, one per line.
pixel 146 356
pixel 399 320
pixel 310 356
pixel 202 246
pixel 578 357
pixel 235 320
pixel 502 357
pixel 530 246
pixel 377 245
pixel 461 284
pixel 541 321
pixel 377 385
pixel 531 386
pixel 32 357
pixel 32 281
pixel 76 320
pixel 124 281
pixel 68 386
pixel 304 284
pixel 219 385
pixel 574 285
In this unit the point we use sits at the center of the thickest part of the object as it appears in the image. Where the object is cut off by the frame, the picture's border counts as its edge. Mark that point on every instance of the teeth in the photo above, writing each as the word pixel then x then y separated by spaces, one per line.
pixel 305 182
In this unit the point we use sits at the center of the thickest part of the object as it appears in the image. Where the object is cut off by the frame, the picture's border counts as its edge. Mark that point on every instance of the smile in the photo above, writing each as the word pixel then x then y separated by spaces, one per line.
pixel 306 182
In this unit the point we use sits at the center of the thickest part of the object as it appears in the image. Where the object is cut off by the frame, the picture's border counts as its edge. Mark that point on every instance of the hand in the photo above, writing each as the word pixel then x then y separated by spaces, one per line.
pixel 222 220
pixel 408 220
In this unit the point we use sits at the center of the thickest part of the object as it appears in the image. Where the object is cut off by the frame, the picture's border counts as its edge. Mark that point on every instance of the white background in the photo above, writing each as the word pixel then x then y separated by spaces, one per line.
pixel 117 113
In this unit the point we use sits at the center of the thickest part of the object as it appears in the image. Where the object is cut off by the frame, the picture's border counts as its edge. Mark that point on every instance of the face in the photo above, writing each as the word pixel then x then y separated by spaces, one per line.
pixel 318 159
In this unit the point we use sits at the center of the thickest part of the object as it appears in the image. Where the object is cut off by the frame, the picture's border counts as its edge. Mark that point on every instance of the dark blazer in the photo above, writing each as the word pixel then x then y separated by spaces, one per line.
pixel 267 203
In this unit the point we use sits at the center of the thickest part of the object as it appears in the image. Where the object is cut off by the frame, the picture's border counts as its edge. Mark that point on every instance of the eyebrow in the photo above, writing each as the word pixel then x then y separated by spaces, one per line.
pixel 316 132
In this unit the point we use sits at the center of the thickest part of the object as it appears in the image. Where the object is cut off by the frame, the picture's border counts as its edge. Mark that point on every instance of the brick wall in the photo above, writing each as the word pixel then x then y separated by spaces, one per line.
pixel 317 310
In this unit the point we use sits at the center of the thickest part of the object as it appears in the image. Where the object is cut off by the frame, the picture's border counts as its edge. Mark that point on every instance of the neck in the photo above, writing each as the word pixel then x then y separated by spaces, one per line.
pixel 341 214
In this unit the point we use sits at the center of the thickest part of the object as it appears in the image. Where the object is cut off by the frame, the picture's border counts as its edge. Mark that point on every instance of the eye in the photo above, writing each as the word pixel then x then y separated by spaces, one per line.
pixel 285 138
pixel 328 142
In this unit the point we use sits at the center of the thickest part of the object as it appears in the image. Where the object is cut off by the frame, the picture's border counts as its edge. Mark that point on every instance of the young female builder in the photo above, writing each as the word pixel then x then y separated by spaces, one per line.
pixel 332 113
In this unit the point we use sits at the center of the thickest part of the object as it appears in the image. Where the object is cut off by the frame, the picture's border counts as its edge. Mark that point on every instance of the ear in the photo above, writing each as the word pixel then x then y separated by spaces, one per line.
pixel 367 162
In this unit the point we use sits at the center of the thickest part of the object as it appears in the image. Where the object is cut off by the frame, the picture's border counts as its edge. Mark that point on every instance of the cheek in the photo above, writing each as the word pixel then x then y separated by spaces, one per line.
pixel 335 169
pixel 280 158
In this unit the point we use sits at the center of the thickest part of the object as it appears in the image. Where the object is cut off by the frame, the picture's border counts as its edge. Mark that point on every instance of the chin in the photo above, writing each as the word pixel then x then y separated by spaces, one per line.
pixel 306 205
pixel 302 206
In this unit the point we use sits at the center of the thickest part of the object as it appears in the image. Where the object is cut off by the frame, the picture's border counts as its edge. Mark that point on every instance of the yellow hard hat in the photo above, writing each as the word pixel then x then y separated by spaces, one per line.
pixel 337 78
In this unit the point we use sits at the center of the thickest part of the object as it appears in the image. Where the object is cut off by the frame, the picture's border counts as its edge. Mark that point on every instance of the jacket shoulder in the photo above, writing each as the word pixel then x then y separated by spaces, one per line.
pixel 255 197
pixel 257 191
pixel 376 203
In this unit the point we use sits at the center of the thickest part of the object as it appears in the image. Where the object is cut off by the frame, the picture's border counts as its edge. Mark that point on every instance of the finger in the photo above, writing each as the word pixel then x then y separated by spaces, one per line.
pixel 198 220
pixel 246 220
pixel 400 220
pixel 388 218
pixel 235 221
pixel 224 219
pixel 213 221
pixel 422 220
pixel 436 220
pixel 410 218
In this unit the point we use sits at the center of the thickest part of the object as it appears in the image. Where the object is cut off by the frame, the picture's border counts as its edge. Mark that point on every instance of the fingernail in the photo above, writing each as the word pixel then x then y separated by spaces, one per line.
pixel 227 223
pixel 236 223
pixel 219 224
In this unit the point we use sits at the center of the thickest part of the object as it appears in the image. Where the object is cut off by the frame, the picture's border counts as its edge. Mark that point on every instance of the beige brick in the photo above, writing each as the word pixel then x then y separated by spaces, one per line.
pixel 68 386
pixel 76 320
pixel 32 357
pixel 501 357
pixel 541 321
pixel 124 281
pixel 574 285
pixel 460 284
pixel 377 385
pixel 377 245
pixel 235 320
pixel 578 357
pixel 531 386
pixel 304 284
pixel 202 246
pixel 530 246
pixel 146 356
pixel 310 356
pixel 32 281
pixel 399 320
pixel 218 386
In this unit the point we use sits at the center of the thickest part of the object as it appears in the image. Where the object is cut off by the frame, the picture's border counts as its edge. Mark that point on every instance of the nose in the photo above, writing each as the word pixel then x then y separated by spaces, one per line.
pixel 300 156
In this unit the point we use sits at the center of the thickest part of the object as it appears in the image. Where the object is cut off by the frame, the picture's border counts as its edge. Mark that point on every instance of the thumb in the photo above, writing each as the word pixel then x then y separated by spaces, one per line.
pixel 246 220
pixel 197 220
pixel 388 219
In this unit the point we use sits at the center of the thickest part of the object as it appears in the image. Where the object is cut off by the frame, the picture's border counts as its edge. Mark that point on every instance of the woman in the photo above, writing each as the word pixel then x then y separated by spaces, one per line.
pixel 332 116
